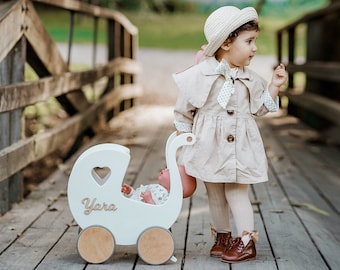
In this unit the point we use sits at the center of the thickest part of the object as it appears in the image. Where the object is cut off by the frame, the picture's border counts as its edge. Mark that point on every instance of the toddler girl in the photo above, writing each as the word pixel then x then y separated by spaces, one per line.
pixel 217 102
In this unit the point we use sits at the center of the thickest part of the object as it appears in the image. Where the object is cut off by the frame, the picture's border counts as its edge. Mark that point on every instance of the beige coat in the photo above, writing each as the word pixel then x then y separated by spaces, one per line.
pixel 229 147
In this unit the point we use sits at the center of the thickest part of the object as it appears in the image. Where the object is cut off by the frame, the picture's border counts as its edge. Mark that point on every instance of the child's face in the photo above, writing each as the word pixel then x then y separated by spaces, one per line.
pixel 240 52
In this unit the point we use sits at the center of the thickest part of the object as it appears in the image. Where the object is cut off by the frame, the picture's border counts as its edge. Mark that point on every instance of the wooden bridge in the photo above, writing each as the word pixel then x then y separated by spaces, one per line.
pixel 297 212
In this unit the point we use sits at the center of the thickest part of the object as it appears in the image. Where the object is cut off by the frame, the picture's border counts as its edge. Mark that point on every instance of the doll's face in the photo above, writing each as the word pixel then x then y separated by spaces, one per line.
pixel 241 51
pixel 164 179
pixel 188 182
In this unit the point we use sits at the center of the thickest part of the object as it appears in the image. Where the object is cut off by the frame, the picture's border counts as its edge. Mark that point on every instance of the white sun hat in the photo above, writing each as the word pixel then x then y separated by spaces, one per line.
pixel 224 21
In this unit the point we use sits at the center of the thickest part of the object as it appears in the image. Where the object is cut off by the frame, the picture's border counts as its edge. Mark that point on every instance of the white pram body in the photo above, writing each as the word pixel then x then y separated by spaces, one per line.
pixel 108 218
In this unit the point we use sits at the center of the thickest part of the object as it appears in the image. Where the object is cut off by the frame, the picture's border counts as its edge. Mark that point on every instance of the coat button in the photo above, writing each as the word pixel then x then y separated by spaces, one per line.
pixel 230 112
pixel 230 138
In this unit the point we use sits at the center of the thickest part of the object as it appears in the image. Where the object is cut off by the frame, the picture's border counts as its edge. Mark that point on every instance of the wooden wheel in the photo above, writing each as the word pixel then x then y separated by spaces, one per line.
pixel 95 244
pixel 155 245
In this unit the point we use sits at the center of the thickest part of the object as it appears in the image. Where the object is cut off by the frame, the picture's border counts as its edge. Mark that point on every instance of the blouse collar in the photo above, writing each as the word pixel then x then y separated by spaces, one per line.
pixel 208 68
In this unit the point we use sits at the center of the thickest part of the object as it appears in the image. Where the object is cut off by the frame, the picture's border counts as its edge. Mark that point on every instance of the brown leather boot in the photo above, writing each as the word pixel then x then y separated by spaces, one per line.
pixel 239 253
pixel 221 244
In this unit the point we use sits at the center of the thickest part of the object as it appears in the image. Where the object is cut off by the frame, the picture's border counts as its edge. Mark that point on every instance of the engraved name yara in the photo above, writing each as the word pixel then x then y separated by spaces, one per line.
pixel 92 205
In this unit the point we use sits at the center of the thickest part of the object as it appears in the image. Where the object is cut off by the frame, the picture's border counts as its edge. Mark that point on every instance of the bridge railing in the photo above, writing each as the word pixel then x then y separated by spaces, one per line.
pixel 314 83
pixel 26 44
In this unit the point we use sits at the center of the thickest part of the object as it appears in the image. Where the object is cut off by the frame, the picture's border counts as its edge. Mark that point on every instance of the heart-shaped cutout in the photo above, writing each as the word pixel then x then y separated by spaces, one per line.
pixel 101 174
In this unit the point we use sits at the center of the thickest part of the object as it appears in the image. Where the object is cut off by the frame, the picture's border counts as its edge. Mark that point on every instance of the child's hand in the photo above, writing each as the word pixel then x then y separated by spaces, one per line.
pixel 147 197
pixel 279 76
pixel 126 189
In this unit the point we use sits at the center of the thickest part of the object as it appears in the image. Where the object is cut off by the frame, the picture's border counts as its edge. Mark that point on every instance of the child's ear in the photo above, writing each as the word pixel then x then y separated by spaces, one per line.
pixel 226 45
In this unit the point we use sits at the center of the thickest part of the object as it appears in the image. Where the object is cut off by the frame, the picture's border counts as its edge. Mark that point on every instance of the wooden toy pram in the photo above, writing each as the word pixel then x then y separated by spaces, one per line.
pixel 108 218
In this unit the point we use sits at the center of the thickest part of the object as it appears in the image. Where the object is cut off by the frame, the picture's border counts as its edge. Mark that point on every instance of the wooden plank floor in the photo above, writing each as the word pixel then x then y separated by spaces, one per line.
pixel 296 212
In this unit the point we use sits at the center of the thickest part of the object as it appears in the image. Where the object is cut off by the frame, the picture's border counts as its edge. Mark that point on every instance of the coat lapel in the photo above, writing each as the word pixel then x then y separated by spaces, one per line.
pixel 196 87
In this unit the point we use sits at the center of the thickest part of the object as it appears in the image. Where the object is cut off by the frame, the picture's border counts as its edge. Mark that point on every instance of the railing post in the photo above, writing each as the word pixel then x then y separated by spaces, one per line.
pixel 316 51
pixel 12 71
pixel 112 53
pixel 279 47
pixel 291 55
pixel 70 38
pixel 95 40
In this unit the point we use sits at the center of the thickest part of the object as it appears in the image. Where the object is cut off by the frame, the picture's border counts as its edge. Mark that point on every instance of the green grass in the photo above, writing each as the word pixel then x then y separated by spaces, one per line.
pixel 169 31
pixel 57 24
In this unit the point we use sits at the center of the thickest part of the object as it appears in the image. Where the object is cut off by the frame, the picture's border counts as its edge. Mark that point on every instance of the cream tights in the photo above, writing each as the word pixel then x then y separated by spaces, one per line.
pixel 222 197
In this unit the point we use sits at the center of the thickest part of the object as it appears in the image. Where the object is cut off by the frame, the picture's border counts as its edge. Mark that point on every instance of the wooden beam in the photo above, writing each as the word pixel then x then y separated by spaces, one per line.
pixel 27 93
pixel 124 92
pixel 47 51
pixel 11 25
pixel 92 10
pixel 325 107
pixel 328 71
pixel 18 155
pixel 49 55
